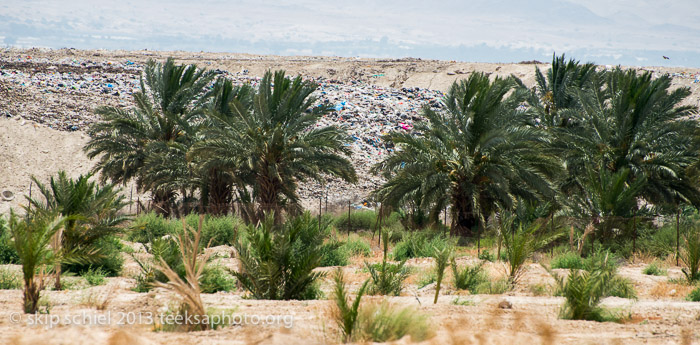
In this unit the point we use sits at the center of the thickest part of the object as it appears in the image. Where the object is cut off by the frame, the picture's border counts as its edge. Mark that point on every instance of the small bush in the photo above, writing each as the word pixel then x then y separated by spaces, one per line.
pixel 382 322
pixel 487 256
pixel 216 231
pixel 149 226
pixel 356 247
pixel 690 256
pixel 694 296
pixel 654 269
pixel 540 290
pixel 387 278
pixel 621 287
pixel 8 253
pixel 333 254
pixel 108 258
pixel 419 244
pixel 278 261
pixel 426 279
pixel 215 279
pixel 496 287
pixel 95 276
pixel 359 220
pixel 9 280
pixel 568 260
pixel 469 277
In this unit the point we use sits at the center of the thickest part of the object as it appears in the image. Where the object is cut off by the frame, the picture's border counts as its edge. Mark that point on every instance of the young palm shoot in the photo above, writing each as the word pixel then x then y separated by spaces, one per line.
pixel 346 314
pixel 442 257
pixel 32 237
pixel 194 263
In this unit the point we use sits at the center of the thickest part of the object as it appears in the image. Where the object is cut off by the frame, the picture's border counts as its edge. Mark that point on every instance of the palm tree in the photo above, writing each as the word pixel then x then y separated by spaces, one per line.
pixel 31 238
pixel 475 156
pixel 609 200
pixel 91 212
pixel 629 121
pixel 131 143
pixel 557 91
pixel 270 143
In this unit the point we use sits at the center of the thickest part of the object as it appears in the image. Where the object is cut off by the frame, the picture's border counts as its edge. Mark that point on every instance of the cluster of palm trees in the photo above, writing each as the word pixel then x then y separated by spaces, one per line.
pixel 195 139
pixel 599 145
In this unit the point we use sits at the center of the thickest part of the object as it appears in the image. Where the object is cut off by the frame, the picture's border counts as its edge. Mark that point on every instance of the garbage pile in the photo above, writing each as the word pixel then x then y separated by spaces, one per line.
pixel 63 93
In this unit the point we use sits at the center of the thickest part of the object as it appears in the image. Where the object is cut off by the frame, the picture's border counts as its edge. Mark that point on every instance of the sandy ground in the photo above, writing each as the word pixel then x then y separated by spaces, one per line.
pixel 659 316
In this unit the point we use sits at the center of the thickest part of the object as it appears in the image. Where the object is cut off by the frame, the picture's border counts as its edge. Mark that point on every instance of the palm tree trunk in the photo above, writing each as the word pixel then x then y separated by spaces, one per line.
pixel 463 219
pixel 219 193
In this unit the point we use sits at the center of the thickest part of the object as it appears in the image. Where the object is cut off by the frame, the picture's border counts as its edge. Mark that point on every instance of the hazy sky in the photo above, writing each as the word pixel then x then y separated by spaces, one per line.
pixel 626 32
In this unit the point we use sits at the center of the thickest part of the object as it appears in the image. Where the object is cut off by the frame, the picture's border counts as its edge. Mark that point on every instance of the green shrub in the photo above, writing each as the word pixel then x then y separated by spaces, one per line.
pixel 359 220
pixel 95 276
pixel 426 279
pixel 621 287
pixel 382 322
pixel 9 280
pixel 520 245
pixel 568 260
pixel 418 244
pixel 659 242
pixel 469 277
pixel 356 247
pixel 442 257
pixel 540 289
pixel 694 296
pixel 496 287
pixel 333 254
pixel 108 258
pixel 487 256
pixel 215 279
pixel 151 225
pixel 690 255
pixel 219 230
pixel 387 278
pixel 277 262
pixel 8 253
pixel 654 269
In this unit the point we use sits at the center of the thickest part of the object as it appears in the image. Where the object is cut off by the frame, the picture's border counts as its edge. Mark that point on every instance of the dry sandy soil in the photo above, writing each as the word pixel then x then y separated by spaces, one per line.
pixel 659 316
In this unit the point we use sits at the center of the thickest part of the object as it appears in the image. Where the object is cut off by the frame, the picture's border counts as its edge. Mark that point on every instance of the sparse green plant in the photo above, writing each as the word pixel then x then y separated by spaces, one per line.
pixel 487 256
pixel 9 280
pixel 382 322
pixel 426 279
pixel 494 287
pixel 654 269
pixel 694 296
pixel 277 261
pixel 442 257
pixel 540 289
pixel 386 278
pixel 359 220
pixel 195 262
pixel 333 254
pixel 520 244
pixel 99 299
pixel 584 289
pixel 418 244
pixel 215 279
pixel 32 237
pixel 94 277
pixel 690 256
pixel 568 260
pixel 463 302
pixel 356 247
pixel 8 254
pixel 469 277
pixel 346 314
